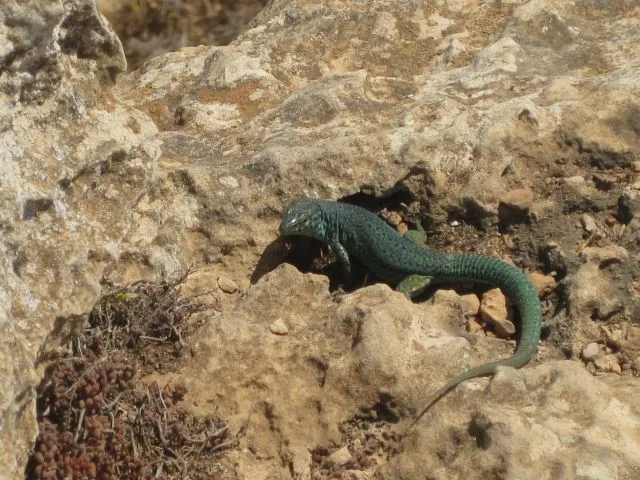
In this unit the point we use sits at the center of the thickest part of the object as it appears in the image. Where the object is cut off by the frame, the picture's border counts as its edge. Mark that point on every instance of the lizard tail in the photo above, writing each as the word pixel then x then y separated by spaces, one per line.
pixel 522 293
pixel 479 371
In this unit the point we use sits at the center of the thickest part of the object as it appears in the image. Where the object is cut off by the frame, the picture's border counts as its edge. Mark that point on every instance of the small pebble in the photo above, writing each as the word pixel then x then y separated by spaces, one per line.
pixel 544 284
pixel 493 307
pixel 504 328
pixel 470 304
pixel 590 352
pixel 226 284
pixel 278 327
pixel 588 223
pixel 339 457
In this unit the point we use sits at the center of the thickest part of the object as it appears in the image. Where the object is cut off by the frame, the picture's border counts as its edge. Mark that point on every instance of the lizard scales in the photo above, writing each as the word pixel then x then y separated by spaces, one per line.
pixel 354 231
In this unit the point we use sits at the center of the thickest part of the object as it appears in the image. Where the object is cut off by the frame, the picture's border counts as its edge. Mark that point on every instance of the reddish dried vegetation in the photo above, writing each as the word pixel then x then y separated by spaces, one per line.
pixel 98 420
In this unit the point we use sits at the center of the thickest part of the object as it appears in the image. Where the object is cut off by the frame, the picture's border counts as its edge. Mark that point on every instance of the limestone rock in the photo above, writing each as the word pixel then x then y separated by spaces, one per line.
pixel 63 208
pixel 516 429
pixel 396 341
pixel 437 111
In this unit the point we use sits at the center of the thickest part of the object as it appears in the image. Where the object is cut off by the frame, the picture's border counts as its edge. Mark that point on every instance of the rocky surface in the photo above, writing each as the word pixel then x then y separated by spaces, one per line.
pixel 503 128
pixel 152 27
pixel 531 428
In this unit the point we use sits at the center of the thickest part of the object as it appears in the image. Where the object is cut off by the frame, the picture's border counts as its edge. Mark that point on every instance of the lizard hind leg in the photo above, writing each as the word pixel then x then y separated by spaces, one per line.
pixel 413 285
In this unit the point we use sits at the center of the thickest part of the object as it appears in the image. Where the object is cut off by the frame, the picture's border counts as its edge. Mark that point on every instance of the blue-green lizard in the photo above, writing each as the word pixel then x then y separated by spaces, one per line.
pixel 352 230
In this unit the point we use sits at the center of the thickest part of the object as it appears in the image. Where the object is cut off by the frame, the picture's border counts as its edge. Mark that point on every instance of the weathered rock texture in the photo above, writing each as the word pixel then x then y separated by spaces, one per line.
pixel 62 137
pixel 190 160
pixel 148 28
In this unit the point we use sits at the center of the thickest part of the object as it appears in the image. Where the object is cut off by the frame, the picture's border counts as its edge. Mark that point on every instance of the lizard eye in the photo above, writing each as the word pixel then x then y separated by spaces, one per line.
pixel 301 219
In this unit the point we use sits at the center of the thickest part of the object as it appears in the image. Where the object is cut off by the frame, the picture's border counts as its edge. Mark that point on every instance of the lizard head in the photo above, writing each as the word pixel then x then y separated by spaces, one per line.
pixel 302 217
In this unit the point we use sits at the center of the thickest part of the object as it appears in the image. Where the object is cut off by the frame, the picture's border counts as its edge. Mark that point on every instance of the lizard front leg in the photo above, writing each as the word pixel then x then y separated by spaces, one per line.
pixel 343 257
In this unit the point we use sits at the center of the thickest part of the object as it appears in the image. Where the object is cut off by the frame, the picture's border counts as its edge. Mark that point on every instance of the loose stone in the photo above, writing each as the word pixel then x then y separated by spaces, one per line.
pixel 590 352
pixel 278 327
pixel 339 457
pixel 470 304
pixel 227 285
pixel 493 307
